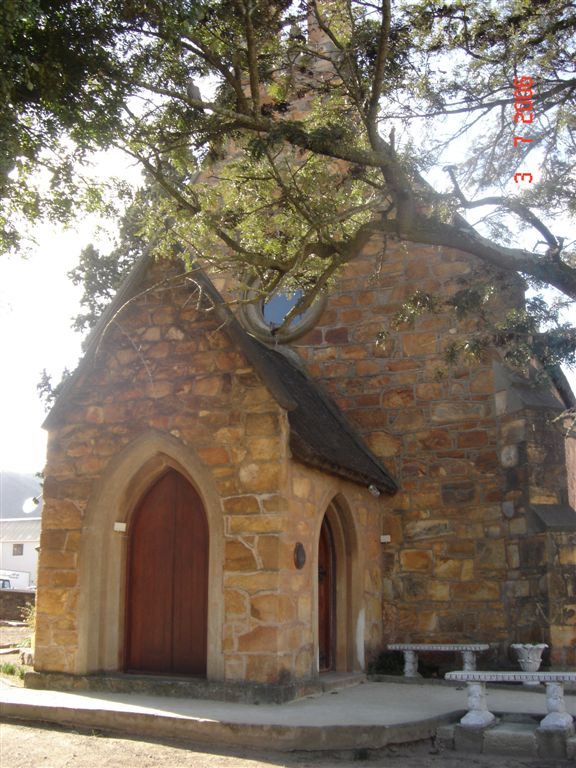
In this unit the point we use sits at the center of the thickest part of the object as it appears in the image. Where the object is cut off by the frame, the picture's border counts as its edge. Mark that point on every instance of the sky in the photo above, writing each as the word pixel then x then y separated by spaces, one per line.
pixel 37 301
pixel 37 305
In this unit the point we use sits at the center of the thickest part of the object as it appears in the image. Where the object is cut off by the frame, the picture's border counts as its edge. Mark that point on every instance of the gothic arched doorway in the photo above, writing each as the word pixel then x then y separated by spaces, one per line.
pixel 326 597
pixel 339 592
pixel 167 581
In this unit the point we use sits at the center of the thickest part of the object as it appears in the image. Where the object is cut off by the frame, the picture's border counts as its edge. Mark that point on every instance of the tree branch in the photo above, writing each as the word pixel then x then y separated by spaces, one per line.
pixel 464 238
pixel 381 60
pixel 514 206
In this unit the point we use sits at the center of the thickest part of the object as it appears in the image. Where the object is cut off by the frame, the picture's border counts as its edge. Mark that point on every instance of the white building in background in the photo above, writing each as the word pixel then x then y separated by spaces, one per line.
pixel 20 518
pixel 19 543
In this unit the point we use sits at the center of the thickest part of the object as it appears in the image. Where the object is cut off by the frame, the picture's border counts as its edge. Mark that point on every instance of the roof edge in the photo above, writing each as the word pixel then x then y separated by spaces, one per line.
pixel 300 452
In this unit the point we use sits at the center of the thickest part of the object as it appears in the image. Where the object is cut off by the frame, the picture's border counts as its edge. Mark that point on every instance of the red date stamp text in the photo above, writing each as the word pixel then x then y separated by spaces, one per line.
pixel 523 113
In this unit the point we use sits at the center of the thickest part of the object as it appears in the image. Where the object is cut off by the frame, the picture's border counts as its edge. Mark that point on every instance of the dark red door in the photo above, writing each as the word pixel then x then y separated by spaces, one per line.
pixel 167 598
pixel 326 597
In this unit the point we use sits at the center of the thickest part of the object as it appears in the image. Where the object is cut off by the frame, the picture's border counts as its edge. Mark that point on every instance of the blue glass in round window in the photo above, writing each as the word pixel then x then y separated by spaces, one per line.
pixel 275 309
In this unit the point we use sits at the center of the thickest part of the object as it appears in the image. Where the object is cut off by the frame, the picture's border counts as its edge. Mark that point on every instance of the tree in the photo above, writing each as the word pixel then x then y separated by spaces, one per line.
pixel 100 274
pixel 389 93
pixel 54 106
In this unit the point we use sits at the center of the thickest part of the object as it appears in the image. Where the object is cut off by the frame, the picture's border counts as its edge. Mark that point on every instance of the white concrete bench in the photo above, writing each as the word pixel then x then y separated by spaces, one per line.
pixel 478 715
pixel 410 651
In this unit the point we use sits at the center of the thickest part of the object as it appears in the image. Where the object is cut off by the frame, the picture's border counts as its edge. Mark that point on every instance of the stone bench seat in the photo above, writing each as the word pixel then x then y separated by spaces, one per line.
pixel 410 651
pixel 478 715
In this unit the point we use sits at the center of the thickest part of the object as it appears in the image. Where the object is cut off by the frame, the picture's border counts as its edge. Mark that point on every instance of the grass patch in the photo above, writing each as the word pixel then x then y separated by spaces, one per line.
pixel 12 670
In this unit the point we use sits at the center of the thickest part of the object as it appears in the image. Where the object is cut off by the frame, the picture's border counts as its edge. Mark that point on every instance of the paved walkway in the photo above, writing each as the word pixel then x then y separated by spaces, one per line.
pixel 370 715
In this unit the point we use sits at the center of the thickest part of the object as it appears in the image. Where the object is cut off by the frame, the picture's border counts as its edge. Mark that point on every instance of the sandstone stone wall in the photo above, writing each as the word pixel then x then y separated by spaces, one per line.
pixel 562 597
pixel 271 629
pixel 571 465
pixel 457 567
pixel 540 586
pixel 165 367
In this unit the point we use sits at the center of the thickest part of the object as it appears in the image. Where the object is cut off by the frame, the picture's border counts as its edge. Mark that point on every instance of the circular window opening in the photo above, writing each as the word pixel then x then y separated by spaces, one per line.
pixel 276 308
pixel 265 318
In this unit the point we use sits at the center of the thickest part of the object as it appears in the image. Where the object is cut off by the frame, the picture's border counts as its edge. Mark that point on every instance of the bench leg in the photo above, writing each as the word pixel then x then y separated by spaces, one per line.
pixel 557 718
pixel 410 664
pixel 469 661
pixel 478 715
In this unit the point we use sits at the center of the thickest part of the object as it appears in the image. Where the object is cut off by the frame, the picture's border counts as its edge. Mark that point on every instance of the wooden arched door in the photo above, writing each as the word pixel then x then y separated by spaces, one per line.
pixel 167 588
pixel 326 597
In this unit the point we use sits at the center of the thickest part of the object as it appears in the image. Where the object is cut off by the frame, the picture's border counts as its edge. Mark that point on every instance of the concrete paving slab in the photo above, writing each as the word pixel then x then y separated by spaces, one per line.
pixel 370 715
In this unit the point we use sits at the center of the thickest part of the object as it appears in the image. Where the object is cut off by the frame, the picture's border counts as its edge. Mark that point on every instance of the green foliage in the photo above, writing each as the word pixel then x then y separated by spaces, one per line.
pixel 47 391
pixel 101 274
pixel 60 99
pixel 417 304
pixel 303 150
pixel 28 613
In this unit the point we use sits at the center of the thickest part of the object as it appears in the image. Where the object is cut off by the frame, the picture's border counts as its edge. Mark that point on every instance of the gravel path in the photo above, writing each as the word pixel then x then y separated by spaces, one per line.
pixel 28 746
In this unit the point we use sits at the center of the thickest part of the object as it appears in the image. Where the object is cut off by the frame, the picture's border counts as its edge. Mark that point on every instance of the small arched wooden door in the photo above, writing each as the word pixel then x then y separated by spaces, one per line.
pixel 326 598
pixel 167 589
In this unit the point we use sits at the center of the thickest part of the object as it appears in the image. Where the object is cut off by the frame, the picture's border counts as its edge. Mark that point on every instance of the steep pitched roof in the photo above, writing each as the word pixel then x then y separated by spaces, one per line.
pixel 320 435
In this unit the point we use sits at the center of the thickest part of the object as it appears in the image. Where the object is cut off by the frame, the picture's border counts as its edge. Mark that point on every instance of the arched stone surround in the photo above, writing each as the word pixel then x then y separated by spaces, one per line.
pixel 349 640
pixel 103 550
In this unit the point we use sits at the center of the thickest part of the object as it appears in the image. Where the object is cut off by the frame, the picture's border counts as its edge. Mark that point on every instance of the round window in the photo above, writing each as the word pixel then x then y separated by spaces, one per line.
pixel 265 317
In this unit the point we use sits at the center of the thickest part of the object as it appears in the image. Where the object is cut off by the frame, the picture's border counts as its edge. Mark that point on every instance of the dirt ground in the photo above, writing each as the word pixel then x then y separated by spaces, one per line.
pixel 35 746
pixel 13 633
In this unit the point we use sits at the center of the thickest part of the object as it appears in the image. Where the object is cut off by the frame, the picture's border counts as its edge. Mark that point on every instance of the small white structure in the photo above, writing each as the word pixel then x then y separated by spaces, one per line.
pixel 19 542
pixel 478 716
pixel 468 651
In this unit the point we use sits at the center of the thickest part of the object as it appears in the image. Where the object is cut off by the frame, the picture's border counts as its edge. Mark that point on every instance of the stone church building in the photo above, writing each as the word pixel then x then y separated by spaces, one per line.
pixel 224 503
pixel 253 508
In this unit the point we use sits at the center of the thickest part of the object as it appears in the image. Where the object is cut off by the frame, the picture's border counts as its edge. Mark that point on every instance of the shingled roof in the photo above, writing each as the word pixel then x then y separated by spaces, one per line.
pixel 320 434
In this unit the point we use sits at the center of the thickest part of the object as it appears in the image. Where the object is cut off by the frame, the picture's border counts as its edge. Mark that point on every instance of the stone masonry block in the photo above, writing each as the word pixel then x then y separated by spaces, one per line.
pixel 235 602
pixel 384 444
pixel 419 343
pixel 468 739
pixel 61 515
pixel 241 505
pixel 416 560
pixel 445 737
pixel 398 398
pixel 213 455
pixel 511 739
pixel 254 524
pixel 238 557
pixel 480 590
pixel 52 559
pixel 252 582
pixel 552 744
pixel 458 493
pixel 262 424
pixel 450 413
pixel 272 608
pixel 259 639
pixel 260 477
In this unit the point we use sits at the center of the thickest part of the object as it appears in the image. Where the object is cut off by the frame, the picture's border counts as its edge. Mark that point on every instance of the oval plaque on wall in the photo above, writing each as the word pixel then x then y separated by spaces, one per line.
pixel 299 555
